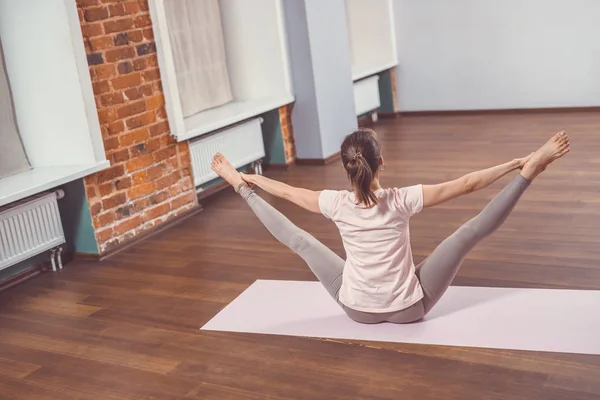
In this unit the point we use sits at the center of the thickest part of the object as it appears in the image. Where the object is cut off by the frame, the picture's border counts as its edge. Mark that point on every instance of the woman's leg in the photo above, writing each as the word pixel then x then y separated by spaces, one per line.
pixel 324 263
pixel 439 269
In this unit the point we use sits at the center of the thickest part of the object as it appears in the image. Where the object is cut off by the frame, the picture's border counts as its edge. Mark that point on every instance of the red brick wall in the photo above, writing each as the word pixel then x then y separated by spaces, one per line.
pixel 393 77
pixel 289 146
pixel 149 180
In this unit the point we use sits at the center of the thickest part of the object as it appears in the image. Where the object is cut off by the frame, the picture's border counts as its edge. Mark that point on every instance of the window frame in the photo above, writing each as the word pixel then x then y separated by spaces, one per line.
pixel 186 128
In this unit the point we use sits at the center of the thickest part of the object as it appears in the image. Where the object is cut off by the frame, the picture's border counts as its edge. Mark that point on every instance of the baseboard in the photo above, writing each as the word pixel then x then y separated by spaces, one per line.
pixel 334 157
pixel 279 167
pixel 366 121
pixel 393 115
pixel 511 111
pixel 140 238
pixel 22 276
pixel 319 161
pixel 87 257
pixel 212 190
pixel 35 270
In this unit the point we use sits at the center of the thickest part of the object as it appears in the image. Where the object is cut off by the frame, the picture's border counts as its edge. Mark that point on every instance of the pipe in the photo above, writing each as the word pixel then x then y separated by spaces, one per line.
pixel 52 261
pixel 59 257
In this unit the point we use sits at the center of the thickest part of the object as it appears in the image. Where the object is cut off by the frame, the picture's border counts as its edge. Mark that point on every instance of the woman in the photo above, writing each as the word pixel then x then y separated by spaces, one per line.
pixel 378 282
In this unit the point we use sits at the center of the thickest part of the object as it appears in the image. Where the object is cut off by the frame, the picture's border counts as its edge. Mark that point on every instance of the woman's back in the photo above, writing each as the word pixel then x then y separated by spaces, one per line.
pixel 379 275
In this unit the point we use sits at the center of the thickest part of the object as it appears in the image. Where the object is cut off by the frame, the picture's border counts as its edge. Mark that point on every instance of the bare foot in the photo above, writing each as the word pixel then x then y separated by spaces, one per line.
pixel 552 150
pixel 225 170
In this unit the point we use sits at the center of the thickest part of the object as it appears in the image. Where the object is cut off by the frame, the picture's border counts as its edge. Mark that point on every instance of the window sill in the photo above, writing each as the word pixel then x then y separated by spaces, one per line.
pixel 37 180
pixel 229 114
pixel 365 72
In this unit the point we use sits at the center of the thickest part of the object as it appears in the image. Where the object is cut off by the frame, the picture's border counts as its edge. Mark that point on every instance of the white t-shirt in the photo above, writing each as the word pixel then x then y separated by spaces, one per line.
pixel 379 274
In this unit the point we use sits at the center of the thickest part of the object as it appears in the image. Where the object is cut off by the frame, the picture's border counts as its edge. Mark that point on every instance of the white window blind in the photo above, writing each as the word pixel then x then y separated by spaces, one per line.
pixel 198 47
pixel 12 154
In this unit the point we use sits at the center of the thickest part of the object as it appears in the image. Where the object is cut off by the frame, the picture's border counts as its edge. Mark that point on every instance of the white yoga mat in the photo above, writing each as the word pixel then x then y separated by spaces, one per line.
pixel 562 321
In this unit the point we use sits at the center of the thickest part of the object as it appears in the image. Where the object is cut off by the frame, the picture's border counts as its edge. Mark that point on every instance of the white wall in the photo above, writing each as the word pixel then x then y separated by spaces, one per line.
pixel 371 31
pixel 497 54
pixel 305 117
pixel 50 104
pixel 323 113
pixel 330 55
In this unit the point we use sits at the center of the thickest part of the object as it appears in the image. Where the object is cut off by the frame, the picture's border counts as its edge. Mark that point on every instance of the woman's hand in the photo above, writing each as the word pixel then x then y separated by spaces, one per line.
pixel 523 161
pixel 248 178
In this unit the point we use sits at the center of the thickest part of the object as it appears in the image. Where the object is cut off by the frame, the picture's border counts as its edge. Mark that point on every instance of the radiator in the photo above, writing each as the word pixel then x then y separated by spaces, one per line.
pixel 366 95
pixel 242 145
pixel 30 227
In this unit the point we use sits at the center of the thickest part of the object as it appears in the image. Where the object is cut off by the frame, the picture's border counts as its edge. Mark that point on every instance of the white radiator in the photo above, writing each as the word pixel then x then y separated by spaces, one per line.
pixel 29 227
pixel 366 95
pixel 242 145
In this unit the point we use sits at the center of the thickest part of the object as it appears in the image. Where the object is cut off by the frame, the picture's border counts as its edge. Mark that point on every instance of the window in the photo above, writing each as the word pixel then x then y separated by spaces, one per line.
pixel 372 35
pixel 51 101
pixel 221 61
pixel 196 37
pixel 12 154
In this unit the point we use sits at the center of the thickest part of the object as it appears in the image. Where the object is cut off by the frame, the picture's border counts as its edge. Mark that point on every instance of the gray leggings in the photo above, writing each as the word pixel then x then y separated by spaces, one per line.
pixel 435 273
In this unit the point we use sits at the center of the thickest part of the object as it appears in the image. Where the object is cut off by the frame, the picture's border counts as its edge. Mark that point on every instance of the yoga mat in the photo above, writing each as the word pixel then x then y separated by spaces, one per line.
pixel 562 321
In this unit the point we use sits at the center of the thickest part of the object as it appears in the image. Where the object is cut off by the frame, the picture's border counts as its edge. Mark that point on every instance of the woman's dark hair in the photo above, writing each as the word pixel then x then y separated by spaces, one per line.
pixel 361 153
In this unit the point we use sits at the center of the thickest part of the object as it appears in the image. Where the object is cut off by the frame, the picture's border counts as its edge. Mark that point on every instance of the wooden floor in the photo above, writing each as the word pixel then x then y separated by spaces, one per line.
pixel 128 328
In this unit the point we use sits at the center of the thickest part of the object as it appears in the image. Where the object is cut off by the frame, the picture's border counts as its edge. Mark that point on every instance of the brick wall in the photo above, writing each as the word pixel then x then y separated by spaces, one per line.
pixel 289 146
pixel 395 95
pixel 149 180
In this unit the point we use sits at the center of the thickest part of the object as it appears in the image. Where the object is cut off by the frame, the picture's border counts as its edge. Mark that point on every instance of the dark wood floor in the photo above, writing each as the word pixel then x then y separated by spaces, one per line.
pixel 128 328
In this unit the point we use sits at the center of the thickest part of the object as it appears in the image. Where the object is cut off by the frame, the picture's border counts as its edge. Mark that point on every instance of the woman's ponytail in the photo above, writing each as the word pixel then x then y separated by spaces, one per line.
pixel 360 155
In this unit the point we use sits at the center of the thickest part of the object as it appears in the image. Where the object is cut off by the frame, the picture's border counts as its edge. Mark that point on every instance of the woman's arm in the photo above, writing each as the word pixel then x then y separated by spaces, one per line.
pixel 443 192
pixel 307 199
